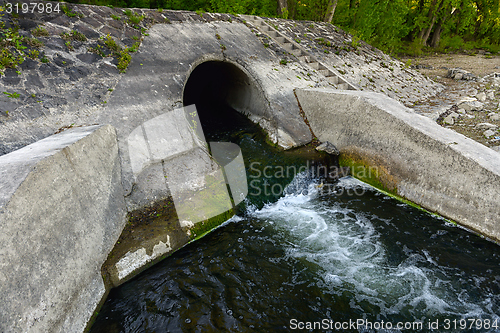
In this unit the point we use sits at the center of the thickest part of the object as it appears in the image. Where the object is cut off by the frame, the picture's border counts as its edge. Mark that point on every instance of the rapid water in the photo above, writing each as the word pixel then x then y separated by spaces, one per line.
pixel 354 260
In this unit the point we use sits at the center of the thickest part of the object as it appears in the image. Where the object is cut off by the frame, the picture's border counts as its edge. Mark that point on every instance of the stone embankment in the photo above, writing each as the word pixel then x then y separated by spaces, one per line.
pixel 69 76
pixel 360 63
pixel 476 114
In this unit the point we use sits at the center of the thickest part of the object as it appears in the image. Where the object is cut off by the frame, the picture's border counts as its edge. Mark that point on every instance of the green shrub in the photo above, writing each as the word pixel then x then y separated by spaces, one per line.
pixel 12 95
pixel 68 11
pixel 97 50
pixel 133 17
pixel 33 54
pixel 111 44
pixel 78 36
pixel 415 48
pixel 33 42
pixel 69 46
pixel 40 32
pixel 136 19
pixel 454 43
pixel 134 47
pixel 124 61
pixel 73 35
pixel 11 48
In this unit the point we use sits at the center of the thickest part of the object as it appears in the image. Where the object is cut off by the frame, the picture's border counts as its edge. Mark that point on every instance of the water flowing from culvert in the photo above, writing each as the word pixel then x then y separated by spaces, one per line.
pixel 302 256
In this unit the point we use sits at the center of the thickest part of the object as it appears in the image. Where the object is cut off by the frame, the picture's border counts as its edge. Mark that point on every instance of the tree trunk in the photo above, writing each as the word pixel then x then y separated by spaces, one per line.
pixel 422 32
pixel 427 32
pixel 354 8
pixel 458 11
pixel 330 10
pixel 282 6
pixel 431 25
pixel 436 37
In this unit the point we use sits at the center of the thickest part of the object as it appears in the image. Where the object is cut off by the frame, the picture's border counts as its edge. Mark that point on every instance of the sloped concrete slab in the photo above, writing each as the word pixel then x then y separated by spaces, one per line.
pixel 61 212
pixel 439 169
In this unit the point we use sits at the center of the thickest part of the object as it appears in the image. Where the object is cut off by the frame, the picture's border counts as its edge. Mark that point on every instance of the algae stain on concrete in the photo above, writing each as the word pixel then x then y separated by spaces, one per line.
pixel 155 232
pixel 369 169
pixel 194 207
pixel 373 172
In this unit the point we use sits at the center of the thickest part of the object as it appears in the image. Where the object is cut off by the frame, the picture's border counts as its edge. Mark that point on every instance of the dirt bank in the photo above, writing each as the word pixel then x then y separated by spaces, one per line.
pixel 466 122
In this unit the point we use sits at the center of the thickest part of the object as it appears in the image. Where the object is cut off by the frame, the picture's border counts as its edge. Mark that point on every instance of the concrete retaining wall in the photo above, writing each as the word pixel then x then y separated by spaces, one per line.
pixel 61 211
pixel 439 169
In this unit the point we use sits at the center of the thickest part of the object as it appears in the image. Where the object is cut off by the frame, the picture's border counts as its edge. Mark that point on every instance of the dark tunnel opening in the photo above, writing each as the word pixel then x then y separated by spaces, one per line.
pixel 216 82
pixel 218 89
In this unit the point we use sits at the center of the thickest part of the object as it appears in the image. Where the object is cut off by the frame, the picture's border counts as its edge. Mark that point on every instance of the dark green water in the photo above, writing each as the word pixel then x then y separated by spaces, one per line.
pixel 303 256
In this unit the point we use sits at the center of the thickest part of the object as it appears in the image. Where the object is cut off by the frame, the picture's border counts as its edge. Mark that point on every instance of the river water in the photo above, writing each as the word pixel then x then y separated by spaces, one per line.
pixel 352 258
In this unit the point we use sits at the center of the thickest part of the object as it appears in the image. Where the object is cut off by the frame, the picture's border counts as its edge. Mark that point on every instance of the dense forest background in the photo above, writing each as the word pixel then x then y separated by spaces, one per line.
pixel 395 26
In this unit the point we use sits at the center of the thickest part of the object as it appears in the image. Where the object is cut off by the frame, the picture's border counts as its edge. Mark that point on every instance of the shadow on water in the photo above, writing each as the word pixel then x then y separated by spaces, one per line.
pixel 302 256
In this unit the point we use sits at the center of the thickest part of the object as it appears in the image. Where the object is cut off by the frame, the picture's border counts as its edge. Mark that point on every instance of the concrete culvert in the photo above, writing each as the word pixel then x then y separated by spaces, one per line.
pixel 217 83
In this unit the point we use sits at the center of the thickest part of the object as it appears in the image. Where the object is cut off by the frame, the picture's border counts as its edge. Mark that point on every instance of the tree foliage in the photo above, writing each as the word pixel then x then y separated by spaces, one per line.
pixel 436 23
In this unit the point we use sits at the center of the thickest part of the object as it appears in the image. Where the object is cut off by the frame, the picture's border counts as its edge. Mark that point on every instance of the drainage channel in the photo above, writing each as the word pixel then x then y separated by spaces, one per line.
pixel 314 254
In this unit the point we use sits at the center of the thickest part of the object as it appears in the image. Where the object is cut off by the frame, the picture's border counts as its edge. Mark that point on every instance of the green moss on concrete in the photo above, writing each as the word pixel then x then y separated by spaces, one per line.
pixel 210 201
pixel 200 229
pixel 370 174
pixel 414 205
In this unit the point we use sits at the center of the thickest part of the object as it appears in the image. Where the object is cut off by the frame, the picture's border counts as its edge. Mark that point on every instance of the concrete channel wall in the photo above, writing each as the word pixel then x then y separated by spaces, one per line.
pixel 63 207
pixel 410 155
pixel 62 210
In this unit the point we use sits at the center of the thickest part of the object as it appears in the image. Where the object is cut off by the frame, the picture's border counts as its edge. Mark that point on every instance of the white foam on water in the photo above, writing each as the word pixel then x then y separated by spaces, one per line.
pixel 350 255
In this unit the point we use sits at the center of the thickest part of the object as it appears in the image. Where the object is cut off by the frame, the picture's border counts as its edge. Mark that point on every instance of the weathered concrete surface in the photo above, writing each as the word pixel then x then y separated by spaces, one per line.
pixel 61 212
pixel 133 261
pixel 439 169
pixel 149 236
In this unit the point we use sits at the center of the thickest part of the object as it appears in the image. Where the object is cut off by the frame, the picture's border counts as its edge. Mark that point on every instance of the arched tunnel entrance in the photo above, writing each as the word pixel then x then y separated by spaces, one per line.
pixel 224 95
pixel 219 88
